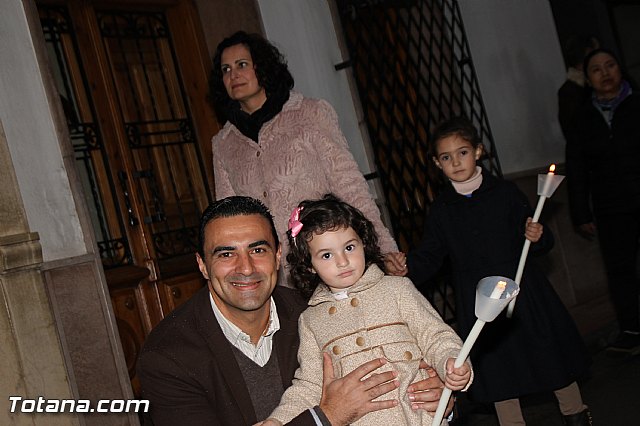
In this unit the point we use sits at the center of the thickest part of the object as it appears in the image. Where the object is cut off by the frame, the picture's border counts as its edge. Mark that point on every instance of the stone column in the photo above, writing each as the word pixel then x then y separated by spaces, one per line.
pixel 31 358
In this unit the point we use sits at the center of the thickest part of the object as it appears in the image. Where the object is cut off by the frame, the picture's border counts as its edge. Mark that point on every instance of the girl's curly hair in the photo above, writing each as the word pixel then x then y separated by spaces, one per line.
pixel 270 65
pixel 317 217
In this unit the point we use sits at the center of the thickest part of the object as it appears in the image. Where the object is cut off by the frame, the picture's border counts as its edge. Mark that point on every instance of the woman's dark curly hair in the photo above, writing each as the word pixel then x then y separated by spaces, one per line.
pixel 270 65
pixel 317 217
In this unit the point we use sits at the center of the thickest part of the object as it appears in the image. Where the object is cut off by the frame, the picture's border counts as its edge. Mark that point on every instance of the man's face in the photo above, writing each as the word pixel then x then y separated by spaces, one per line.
pixel 241 262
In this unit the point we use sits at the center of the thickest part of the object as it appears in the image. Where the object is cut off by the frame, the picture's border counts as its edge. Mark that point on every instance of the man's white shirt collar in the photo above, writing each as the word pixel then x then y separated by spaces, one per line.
pixel 259 353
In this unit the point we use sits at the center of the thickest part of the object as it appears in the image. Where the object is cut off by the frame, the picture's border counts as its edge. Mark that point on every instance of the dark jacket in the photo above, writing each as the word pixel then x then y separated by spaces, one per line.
pixel 539 349
pixel 571 99
pixel 189 373
pixel 603 164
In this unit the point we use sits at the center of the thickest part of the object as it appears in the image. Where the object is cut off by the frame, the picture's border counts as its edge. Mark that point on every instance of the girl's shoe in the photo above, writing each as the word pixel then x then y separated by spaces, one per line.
pixel 627 341
pixel 582 418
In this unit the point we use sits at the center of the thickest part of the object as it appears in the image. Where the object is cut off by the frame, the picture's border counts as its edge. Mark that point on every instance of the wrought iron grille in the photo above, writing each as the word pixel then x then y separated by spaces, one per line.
pixel 412 66
pixel 168 163
pixel 86 138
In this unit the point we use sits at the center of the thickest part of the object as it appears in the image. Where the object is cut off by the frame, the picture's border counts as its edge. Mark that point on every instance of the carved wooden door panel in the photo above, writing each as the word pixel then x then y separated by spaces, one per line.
pixel 132 78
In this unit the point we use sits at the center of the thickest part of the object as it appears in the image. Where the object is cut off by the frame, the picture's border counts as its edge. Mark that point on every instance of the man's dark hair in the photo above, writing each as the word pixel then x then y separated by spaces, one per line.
pixel 234 206
pixel 270 66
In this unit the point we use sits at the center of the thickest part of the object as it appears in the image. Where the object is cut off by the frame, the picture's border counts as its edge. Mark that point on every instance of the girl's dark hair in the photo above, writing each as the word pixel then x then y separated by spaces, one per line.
pixel 317 217
pixel 271 67
pixel 459 126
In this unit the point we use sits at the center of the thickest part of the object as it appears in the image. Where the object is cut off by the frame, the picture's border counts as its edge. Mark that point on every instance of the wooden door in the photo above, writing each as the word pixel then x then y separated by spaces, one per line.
pixel 132 78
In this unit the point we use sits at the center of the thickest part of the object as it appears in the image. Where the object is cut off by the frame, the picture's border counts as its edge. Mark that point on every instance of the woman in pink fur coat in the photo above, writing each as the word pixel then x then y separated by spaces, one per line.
pixel 278 146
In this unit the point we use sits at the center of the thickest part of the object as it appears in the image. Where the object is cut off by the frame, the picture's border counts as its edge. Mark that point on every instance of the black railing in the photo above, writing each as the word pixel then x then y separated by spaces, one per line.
pixel 412 66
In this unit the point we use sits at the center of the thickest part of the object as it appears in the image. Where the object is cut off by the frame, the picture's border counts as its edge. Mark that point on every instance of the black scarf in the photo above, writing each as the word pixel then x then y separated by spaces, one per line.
pixel 250 124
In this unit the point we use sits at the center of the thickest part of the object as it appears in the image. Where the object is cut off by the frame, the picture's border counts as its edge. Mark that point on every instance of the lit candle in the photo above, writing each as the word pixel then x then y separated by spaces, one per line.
pixel 498 290
pixel 496 293
pixel 477 327
pixel 547 183
pixel 544 194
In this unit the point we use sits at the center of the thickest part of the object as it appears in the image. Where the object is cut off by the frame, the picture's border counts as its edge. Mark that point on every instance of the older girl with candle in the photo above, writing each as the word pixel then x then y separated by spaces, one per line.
pixel 479 222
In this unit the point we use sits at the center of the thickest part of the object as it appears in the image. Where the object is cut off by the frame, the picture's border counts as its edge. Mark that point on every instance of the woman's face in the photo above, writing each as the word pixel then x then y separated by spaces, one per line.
pixel 239 78
pixel 604 75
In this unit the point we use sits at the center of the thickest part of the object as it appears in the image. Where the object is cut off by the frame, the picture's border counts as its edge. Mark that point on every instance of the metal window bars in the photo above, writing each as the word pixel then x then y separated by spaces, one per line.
pixel 412 67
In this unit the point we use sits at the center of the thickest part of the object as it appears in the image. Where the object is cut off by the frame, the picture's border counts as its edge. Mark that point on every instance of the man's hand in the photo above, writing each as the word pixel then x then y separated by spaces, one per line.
pixel 347 399
pixel 395 263
pixel 425 394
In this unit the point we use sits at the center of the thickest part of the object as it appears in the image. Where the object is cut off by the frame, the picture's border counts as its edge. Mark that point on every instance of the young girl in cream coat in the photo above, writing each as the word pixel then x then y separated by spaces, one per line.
pixel 357 313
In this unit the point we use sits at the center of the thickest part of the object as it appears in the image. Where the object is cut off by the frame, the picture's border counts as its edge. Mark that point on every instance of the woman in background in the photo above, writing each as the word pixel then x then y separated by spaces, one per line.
pixel 603 175
pixel 278 146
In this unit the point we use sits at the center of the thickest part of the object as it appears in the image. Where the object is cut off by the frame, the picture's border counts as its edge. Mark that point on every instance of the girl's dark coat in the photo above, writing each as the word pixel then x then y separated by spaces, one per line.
pixel 539 348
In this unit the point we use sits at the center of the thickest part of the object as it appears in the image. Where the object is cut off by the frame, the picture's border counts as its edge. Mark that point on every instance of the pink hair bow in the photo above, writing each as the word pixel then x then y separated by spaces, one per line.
pixel 294 222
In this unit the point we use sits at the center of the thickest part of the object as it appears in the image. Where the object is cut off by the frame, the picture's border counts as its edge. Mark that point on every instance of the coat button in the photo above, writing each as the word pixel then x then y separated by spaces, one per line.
pixel 408 355
pixel 336 350
pixel 333 310
pixel 258 154
pixel 360 341
pixel 355 302
pixel 264 194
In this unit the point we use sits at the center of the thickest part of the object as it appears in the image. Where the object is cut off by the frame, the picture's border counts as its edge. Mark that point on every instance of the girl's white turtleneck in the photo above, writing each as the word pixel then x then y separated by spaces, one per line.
pixel 468 186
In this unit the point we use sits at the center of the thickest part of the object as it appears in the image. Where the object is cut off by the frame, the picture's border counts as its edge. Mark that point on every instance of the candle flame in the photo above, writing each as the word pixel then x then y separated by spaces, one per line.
pixel 552 168
pixel 498 290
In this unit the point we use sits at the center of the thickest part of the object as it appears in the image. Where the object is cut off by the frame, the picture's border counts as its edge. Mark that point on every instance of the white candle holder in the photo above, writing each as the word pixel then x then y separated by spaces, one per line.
pixel 487 307
pixel 548 183
pixel 492 295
